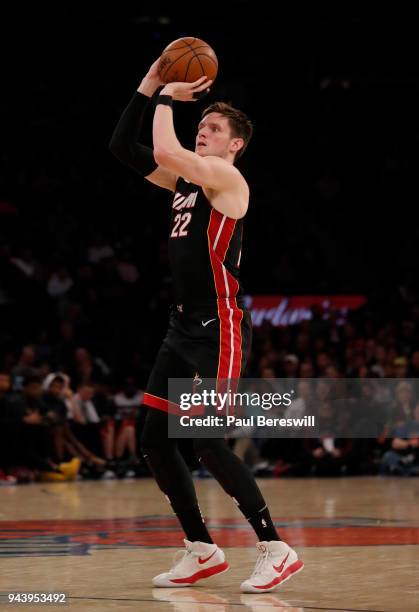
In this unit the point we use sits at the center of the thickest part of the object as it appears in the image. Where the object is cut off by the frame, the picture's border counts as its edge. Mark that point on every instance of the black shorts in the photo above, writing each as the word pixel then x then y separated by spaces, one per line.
pixel 205 341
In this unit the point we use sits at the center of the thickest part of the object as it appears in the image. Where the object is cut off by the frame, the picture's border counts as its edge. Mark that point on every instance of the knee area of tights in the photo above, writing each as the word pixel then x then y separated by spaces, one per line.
pixel 150 448
pixel 205 448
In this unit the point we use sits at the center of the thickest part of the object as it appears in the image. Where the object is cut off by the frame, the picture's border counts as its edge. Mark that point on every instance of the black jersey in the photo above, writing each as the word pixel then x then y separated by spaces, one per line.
pixel 204 248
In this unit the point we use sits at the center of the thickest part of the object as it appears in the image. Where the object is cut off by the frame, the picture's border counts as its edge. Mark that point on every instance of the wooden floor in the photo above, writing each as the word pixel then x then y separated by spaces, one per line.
pixel 101 543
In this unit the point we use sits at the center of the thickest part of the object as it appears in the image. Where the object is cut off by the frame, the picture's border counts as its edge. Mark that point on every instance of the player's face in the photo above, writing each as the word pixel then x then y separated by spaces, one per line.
pixel 214 136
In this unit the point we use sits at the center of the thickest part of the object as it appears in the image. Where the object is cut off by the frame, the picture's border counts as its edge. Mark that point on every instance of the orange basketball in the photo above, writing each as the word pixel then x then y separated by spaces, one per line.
pixel 186 60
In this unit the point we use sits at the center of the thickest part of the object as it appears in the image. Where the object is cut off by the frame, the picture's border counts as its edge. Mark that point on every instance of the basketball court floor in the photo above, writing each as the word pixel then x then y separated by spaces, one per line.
pixel 101 543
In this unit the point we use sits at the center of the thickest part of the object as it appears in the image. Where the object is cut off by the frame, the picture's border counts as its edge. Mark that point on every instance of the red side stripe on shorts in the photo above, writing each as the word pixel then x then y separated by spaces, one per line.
pixel 153 401
pixel 160 403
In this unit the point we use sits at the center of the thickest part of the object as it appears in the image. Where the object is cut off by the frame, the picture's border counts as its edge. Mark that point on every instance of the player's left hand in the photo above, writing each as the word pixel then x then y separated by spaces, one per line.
pixel 186 92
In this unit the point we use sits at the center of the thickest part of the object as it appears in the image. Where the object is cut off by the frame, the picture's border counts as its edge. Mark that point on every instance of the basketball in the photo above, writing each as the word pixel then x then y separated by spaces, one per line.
pixel 186 60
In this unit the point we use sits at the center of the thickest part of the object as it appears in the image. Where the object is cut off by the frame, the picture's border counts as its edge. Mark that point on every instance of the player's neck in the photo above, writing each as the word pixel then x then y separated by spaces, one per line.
pixel 229 158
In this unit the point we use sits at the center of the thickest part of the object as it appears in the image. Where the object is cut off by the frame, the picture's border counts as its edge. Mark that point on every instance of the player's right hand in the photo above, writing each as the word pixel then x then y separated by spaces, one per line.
pixel 152 80
pixel 153 74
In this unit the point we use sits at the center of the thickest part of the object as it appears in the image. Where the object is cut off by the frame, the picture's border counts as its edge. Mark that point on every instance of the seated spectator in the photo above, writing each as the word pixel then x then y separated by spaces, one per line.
pixel 5 430
pixel 105 407
pixel 99 249
pixel 127 403
pixel 33 441
pixel 85 420
pixel 291 448
pixel 65 441
pixel 326 455
pixel 400 365
pixel 402 408
pixel 88 368
pixel 60 282
pixel 403 457
pixel 25 367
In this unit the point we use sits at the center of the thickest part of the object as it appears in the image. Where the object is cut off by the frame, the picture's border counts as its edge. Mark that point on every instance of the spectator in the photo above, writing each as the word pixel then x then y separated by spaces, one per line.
pixel 32 440
pixel 99 249
pixel 403 457
pixel 25 367
pixel 86 422
pixel 326 455
pixel 6 431
pixel 27 264
pixel 60 282
pixel 65 441
pixel 404 402
pixel 127 403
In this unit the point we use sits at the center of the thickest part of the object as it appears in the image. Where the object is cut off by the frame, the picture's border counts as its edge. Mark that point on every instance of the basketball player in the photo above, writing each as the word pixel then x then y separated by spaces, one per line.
pixel 210 331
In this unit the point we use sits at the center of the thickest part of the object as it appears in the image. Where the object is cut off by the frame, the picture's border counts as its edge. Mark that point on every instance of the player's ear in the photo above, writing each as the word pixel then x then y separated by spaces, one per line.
pixel 237 144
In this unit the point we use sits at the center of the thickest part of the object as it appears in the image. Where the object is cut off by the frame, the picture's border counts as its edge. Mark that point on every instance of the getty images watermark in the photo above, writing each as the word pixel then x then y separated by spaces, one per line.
pixel 286 408
pixel 249 407
pixel 232 401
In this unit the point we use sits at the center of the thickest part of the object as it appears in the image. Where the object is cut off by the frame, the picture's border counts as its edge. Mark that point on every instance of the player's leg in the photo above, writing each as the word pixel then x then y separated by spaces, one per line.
pixel 202 558
pixel 277 561
pixel 238 481
pixel 231 472
pixel 172 475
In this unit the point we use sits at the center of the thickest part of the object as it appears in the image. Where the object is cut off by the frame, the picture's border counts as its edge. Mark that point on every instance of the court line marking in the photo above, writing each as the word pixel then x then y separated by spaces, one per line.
pixel 211 603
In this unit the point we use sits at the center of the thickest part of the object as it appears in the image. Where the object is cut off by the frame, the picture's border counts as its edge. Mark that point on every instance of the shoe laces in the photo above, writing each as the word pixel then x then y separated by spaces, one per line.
pixel 180 556
pixel 264 554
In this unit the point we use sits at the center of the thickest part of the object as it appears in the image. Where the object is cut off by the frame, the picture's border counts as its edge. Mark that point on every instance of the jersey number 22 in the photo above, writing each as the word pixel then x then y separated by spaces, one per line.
pixel 181 222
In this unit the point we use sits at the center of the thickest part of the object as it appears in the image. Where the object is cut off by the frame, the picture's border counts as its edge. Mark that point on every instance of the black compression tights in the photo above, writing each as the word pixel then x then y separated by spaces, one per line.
pixel 174 479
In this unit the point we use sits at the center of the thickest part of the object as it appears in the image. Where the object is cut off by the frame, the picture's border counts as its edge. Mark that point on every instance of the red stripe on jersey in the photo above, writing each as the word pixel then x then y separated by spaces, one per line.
pixel 220 231
pixel 225 230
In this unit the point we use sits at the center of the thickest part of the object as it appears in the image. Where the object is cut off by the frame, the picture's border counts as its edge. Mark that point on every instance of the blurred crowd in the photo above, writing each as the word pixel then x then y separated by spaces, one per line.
pixel 84 278
pixel 68 411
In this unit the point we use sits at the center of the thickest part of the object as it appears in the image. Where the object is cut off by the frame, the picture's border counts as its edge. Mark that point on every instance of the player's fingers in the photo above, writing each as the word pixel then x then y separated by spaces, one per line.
pixel 204 85
pixel 198 81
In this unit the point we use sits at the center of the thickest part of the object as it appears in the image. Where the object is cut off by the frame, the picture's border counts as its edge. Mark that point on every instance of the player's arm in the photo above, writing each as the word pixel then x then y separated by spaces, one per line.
pixel 211 172
pixel 124 142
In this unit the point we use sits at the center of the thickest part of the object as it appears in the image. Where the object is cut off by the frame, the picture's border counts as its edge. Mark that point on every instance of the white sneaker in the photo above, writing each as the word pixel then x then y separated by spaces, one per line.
pixel 275 564
pixel 201 560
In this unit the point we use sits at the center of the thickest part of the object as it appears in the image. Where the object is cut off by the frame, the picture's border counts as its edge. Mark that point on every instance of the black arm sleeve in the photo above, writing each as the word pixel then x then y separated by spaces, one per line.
pixel 124 143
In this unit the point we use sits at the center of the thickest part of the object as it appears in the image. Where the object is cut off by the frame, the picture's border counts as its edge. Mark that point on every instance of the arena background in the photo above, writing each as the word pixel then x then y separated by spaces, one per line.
pixel 330 240
pixel 333 98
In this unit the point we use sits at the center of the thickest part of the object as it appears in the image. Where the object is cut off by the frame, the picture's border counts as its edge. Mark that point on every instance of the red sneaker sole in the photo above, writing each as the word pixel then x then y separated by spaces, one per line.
pixel 204 573
pixel 291 570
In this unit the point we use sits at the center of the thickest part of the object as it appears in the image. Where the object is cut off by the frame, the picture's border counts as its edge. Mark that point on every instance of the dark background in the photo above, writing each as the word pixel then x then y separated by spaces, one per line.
pixel 332 166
